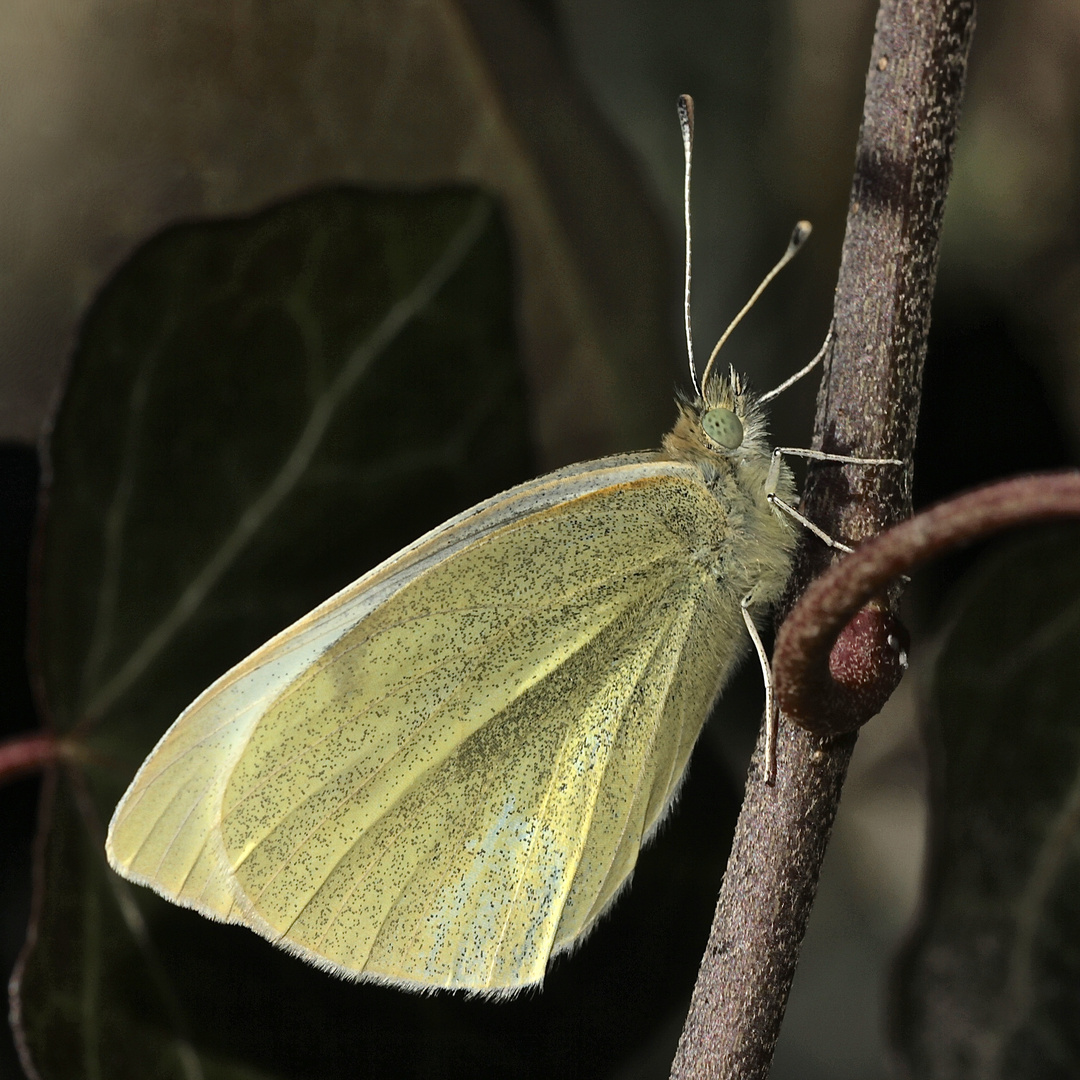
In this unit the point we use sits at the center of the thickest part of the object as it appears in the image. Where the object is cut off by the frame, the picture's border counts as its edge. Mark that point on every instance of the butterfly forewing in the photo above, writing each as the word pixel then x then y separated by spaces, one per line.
pixel 163 833
pixel 450 748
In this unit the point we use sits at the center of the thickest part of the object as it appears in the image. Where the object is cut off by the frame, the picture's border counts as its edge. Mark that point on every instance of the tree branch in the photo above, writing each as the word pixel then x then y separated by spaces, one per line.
pixel 867 405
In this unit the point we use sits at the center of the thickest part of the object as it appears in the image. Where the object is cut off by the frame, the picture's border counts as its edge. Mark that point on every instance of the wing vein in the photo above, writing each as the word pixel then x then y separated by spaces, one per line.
pixel 660 714
pixel 541 816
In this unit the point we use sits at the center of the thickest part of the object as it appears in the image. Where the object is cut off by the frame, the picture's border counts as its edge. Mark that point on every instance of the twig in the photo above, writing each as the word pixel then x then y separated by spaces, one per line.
pixel 28 753
pixel 867 405
pixel 805 659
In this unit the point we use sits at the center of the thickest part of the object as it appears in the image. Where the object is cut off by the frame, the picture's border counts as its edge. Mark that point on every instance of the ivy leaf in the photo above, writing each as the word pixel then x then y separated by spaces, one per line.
pixel 260 410
pixel 91 999
pixel 989 986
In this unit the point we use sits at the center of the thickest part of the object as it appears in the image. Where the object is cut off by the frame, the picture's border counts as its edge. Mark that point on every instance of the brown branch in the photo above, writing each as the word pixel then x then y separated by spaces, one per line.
pixel 867 405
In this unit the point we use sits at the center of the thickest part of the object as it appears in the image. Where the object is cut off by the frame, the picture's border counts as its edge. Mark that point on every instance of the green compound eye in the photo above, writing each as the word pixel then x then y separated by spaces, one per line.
pixel 723 427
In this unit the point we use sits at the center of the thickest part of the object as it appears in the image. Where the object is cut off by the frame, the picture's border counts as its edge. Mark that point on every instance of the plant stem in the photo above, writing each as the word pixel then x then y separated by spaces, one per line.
pixel 28 753
pixel 804 658
pixel 867 405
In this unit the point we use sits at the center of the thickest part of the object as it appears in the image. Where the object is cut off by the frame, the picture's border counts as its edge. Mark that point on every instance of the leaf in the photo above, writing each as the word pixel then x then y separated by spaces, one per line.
pixel 93 999
pixel 191 388
pixel 989 986
pixel 260 410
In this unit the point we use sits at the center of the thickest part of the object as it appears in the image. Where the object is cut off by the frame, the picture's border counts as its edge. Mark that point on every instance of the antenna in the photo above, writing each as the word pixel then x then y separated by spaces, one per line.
pixel 798 238
pixel 685 106
pixel 791 380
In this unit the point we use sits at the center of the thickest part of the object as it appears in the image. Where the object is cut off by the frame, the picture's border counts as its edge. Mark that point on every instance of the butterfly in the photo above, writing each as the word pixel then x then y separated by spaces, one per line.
pixel 443 775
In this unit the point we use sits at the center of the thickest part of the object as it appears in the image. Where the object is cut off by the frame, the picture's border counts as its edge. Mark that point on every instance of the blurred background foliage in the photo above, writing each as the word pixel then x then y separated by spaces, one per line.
pixel 128 124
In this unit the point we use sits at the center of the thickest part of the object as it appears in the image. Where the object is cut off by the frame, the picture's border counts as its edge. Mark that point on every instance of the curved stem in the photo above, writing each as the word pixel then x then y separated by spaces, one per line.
pixel 805 681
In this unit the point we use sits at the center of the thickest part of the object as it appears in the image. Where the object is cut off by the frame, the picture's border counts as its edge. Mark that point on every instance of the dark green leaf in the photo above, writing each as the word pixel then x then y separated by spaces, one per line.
pixel 165 440
pixel 259 411
pixel 990 985
pixel 95 1000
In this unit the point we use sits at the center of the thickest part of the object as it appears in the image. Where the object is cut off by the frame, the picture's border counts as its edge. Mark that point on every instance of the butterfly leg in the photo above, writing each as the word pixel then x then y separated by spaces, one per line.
pixel 816 455
pixel 843 459
pixel 771 719
pixel 820 533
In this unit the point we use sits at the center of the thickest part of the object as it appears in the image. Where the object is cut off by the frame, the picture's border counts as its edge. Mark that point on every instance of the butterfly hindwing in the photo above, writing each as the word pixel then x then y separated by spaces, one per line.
pixel 444 774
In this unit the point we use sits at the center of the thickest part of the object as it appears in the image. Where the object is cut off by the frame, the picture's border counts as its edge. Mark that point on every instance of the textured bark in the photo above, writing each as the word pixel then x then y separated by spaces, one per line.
pixel 868 406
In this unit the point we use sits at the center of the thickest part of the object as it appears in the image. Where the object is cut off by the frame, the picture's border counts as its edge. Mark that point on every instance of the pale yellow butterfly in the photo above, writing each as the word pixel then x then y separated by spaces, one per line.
pixel 442 776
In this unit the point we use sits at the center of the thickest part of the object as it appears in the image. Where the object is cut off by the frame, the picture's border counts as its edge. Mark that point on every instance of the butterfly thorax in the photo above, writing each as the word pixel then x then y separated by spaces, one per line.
pixel 750 550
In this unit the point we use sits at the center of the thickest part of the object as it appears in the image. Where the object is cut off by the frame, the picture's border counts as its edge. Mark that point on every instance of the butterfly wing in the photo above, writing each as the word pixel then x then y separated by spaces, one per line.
pixel 444 774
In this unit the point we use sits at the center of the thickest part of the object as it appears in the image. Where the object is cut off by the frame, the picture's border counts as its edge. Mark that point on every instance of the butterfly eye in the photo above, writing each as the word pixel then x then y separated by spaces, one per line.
pixel 724 428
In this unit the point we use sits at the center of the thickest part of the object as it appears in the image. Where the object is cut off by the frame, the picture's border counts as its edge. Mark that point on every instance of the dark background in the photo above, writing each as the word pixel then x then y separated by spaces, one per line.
pixel 778 93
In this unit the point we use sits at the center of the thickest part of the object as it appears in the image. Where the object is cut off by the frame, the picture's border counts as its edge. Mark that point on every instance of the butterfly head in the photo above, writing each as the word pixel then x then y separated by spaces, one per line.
pixel 726 423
